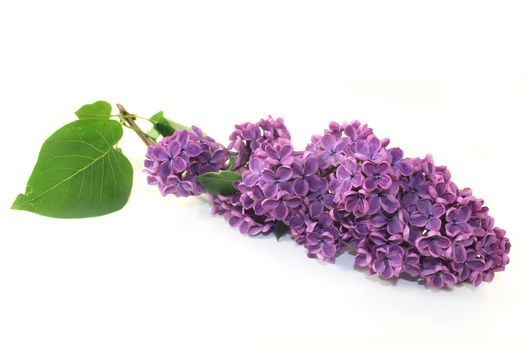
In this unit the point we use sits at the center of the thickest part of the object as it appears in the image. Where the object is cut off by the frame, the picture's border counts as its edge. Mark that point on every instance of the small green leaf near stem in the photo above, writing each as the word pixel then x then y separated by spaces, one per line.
pixel 220 182
pixel 280 229
pixel 165 126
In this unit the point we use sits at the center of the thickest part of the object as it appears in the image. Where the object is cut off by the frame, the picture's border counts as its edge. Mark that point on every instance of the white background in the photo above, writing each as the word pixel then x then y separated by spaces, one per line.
pixel 446 78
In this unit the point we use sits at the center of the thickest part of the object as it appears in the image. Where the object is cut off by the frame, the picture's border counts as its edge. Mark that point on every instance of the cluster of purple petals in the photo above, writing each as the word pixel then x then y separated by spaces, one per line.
pixel 246 146
pixel 349 191
pixel 248 137
pixel 240 217
pixel 174 163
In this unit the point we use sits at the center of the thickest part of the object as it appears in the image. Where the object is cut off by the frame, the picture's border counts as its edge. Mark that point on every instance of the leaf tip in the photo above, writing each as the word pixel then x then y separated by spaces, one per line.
pixel 19 202
pixel 97 109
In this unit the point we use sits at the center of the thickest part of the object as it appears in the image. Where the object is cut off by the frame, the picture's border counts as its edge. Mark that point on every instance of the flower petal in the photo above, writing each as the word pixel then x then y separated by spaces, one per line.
pixel 424 207
pixel 463 214
pixel 476 265
pixel 310 166
pixel 433 224
pixel 437 210
pixel 437 281
pixel 418 219
pixel 328 250
pixel 174 148
pixel 269 204
pixel 369 169
pixel 250 179
pixel 159 153
pixel 281 211
pixel 394 226
pixel 270 189
pixel 405 168
pixel 389 203
pixel 165 169
pixel 300 187
pixel 316 208
pixel 328 142
pixel 370 184
pixel 283 173
pixel 384 181
pixel 362 147
pixel 178 164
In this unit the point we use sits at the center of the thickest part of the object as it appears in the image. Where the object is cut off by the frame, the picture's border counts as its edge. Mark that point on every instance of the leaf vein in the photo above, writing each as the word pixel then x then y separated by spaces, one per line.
pixel 73 175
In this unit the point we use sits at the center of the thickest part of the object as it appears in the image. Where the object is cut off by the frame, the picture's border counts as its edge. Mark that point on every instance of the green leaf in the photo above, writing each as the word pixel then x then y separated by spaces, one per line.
pixel 152 134
pixel 79 172
pixel 165 126
pixel 99 109
pixel 231 163
pixel 280 229
pixel 220 182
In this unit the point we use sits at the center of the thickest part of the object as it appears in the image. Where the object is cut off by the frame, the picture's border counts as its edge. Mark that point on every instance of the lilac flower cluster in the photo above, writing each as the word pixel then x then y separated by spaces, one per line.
pixel 403 215
pixel 248 137
pixel 349 191
pixel 245 219
pixel 174 162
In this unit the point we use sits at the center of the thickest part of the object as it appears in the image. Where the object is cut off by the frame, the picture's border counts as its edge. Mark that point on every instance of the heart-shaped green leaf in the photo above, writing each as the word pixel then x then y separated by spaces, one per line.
pixel 79 172
pixel 99 109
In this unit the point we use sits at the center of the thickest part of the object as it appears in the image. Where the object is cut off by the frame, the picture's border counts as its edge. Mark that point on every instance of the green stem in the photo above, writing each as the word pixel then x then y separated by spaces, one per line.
pixel 134 116
pixel 129 120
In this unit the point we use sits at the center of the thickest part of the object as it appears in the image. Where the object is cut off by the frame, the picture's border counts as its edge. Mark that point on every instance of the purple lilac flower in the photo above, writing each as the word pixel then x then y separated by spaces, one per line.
pixel 238 216
pixel 332 151
pixel 393 222
pixel 320 200
pixel 278 153
pixel 377 175
pixel 345 191
pixel 321 244
pixel 277 180
pixel 388 261
pixel 411 263
pixel 371 149
pixel 174 162
pixel 249 137
pixel 180 188
pixel 433 244
pixel 363 257
pixel 427 215
pixel 457 251
pixel 348 176
pixel 256 167
pixel 472 263
pixel 279 207
pixel 384 199
pixel 414 188
pixel 356 202
pixel 400 166
pixel 306 180
pixel 442 192
pixel 439 276
pixel 408 203
pixel 457 221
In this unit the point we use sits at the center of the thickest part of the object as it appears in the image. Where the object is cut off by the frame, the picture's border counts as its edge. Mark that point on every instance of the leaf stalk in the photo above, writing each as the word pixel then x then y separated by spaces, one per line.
pixel 129 120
